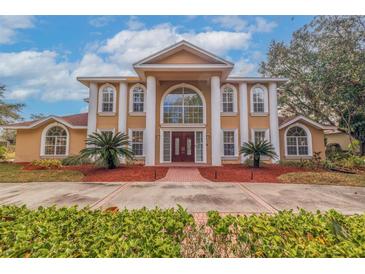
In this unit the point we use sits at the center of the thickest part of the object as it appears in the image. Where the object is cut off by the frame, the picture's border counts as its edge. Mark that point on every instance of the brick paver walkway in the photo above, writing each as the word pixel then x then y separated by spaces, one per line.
pixel 183 174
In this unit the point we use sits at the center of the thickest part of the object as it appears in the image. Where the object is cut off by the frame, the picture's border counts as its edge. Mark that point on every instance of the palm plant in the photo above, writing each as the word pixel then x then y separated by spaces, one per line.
pixel 261 148
pixel 107 148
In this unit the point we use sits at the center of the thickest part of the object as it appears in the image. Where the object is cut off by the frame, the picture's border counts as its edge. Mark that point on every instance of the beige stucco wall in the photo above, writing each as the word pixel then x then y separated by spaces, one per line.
pixel 317 142
pixel 28 143
pixel 338 138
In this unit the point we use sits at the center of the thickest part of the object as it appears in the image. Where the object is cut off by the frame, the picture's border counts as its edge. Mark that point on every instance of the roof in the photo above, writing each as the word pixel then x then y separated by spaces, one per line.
pixel 288 120
pixel 72 121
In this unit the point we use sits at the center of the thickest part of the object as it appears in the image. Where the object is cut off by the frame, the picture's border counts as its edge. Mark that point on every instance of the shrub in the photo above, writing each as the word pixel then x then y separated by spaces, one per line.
pixel 75 160
pixel 284 234
pixel 352 162
pixel 69 232
pixel 3 152
pixel 47 163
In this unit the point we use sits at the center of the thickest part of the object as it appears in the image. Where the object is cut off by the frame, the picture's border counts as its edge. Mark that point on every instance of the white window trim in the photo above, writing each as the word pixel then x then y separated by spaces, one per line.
pixel 130 131
pixel 137 113
pixel 183 85
pixel 309 138
pixel 43 140
pixel 236 144
pixel 162 130
pixel 100 100
pixel 266 101
pixel 234 99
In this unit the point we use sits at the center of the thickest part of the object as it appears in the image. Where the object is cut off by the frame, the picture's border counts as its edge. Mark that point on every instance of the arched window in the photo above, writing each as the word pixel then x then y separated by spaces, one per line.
pixel 229 98
pixel 107 98
pixel 297 143
pixel 137 95
pixel 55 141
pixel 183 105
pixel 258 100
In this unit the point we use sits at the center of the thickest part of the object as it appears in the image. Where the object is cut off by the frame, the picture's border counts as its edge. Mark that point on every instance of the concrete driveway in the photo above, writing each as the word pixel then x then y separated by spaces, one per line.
pixel 195 196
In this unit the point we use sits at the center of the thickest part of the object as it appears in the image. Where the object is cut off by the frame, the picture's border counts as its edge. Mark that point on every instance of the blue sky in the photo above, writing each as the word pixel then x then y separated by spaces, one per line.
pixel 41 56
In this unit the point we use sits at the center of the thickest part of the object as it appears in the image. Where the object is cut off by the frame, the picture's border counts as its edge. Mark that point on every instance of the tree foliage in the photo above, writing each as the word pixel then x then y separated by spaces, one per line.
pixel 8 112
pixel 325 65
pixel 106 148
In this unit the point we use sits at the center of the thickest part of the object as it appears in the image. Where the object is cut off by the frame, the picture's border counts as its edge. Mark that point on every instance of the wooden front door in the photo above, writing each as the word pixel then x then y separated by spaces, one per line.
pixel 183 147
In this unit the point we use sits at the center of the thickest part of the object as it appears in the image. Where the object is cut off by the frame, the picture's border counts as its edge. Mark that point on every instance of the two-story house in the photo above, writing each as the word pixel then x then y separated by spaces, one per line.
pixel 182 107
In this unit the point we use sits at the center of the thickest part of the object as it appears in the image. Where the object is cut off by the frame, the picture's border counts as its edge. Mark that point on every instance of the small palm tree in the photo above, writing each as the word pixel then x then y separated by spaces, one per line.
pixel 106 148
pixel 262 148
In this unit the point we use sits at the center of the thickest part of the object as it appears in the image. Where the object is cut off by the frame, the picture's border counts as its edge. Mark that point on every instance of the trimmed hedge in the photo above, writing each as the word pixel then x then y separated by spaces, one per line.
pixel 70 232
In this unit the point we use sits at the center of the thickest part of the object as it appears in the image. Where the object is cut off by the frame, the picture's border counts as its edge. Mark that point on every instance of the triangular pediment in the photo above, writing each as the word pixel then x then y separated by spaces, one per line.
pixel 183 53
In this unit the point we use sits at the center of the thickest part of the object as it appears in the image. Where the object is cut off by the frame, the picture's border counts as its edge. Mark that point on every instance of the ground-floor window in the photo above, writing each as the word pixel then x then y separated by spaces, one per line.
pixel 297 142
pixel 260 135
pixel 230 142
pixel 56 141
pixel 199 148
pixel 137 142
pixel 167 146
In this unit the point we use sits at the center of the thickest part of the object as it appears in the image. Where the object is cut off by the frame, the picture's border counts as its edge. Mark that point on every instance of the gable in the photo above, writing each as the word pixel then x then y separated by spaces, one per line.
pixel 184 56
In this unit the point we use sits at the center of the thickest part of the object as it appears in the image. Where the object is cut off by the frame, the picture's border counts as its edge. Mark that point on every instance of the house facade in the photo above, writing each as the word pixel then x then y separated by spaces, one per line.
pixel 182 107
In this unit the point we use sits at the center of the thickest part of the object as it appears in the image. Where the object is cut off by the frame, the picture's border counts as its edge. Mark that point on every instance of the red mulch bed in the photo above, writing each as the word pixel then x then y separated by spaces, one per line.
pixel 240 173
pixel 121 174
pixel 135 173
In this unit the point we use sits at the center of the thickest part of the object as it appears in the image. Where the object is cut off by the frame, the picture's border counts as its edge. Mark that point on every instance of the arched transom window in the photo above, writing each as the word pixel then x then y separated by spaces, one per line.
pixel 107 99
pixel 137 95
pixel 258 99
pixel 297 141
pixel 55 143
pixel 229 98
pixel 183 106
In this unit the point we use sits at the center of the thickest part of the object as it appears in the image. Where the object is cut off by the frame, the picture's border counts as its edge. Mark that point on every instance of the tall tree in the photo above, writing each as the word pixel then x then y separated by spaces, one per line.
pixel 325 65
pixel 8 112
pixel 37 116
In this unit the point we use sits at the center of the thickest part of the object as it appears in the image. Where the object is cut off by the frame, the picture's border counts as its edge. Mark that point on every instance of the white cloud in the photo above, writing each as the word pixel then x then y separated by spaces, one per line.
pixel 237 23
pixel 101 21
pixel 262 25
pixel 129 46
pixel 134 24
pixel 9 25
pixel 43 75
pixel 244 68
pixel 231 22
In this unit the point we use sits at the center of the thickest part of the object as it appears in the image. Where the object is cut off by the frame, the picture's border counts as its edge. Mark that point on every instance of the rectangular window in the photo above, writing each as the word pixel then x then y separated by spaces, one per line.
pixel 259 136
pixel 199 146
pixel 291 143
pixel 138 99
pixel 137 142
pixel 166 146
pixel 227 102
pixel 229 143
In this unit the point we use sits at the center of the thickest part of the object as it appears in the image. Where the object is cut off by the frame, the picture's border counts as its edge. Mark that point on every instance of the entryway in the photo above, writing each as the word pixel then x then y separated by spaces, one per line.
pixel 183 147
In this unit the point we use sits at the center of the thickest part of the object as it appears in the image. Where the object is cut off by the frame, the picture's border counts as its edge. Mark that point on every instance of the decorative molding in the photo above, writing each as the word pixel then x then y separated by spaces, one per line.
pixel 130 109
pixel 234 97
pixel 266 99
pixel 309 139
pixel 100 98
pixel 43 139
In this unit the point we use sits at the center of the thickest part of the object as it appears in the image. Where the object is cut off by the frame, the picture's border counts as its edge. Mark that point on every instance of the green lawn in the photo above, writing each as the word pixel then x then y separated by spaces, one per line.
pixel 13 173
pixel 323 178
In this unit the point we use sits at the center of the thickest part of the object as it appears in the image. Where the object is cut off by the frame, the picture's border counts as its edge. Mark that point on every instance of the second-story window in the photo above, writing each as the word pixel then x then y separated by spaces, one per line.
pixel 258 100
pixel 107 98
pixel 138 99
pixel 229 98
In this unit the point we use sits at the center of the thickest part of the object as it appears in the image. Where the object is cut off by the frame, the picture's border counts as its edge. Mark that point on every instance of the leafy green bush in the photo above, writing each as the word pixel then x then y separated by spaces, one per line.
pixel 75 160
pixel 69 232
pixel 47 163
pixel 281 235
pixel 3 152
pixel 352 161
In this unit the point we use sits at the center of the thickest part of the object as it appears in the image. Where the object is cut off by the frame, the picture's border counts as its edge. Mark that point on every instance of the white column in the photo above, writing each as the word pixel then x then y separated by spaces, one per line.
pixel 274 123
pixel 216 120
pixel 244 131
pixel 122 119
pixel 93 100
pixel 150 121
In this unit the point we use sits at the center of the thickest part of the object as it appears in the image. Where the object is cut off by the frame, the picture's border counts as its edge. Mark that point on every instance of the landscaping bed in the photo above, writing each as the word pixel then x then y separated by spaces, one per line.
pixel 69 232
pixel 267 173
pixel 14 173
pixel 323 178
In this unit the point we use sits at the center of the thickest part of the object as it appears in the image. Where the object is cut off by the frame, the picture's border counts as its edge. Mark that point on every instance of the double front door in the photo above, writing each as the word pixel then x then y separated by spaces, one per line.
pixel 183 146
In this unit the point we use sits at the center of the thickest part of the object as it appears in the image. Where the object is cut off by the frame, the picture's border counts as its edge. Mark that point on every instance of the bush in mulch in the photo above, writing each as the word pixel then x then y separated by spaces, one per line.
pixel 267 173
